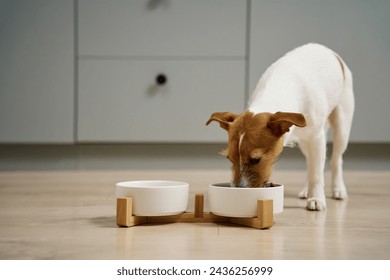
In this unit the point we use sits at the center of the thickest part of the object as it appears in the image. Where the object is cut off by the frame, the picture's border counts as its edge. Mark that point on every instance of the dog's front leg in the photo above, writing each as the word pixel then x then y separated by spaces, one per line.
pixel 315 152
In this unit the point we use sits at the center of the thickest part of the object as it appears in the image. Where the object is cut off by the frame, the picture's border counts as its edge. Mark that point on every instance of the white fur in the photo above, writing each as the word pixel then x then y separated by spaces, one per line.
pixel 310 80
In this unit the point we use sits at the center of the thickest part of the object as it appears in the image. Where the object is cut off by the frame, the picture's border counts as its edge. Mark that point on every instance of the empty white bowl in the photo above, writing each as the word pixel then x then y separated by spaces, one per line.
pixel 155 198
pixel 242 202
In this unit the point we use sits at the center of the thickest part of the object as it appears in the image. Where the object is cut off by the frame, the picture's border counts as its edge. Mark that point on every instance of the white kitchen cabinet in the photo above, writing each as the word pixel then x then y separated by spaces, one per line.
pixel 36 71
pixel 357 29
pixel 199 46
pixel 211 52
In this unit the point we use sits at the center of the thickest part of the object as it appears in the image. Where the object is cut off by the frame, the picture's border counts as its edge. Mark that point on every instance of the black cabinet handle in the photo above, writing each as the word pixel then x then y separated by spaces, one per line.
pixel 161 79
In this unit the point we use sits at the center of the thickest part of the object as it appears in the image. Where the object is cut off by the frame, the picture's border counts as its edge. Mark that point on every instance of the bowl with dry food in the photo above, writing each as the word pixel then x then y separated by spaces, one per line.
pixel 228 201
pixel 155 197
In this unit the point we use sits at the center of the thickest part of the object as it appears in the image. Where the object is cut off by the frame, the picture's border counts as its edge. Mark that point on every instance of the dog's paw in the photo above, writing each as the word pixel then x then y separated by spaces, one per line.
pixel 303 193
pixel 316 204
pixel 339 194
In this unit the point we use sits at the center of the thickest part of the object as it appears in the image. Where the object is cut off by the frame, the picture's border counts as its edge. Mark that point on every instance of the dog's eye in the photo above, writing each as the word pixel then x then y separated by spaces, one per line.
pixel 254 161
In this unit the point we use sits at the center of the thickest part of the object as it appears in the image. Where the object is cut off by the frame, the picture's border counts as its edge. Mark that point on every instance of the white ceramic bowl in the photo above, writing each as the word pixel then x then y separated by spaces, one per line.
pixel 242 202
pixel 155 198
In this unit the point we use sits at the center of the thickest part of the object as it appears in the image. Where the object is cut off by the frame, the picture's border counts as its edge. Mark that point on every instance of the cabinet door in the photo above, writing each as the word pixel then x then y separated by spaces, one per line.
pixel 119 100
pixel 36 71
pixel 162 27
pixel 358 30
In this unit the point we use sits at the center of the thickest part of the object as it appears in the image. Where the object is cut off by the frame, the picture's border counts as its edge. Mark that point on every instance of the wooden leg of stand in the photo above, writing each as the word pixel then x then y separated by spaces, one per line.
pixel 124 213
pixel 264 219
pixel 265 213
pixel 199 206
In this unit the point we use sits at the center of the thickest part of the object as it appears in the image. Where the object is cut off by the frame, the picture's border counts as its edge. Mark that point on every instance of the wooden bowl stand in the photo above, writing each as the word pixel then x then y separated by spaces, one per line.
pixel 125 217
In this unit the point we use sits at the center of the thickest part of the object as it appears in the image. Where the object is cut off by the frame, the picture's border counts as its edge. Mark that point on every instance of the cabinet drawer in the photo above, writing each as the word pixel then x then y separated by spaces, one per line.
pixel 119 100
pixel 162 28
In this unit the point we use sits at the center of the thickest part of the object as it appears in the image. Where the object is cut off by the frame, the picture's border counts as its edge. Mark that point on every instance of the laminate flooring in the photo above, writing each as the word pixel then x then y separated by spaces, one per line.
pixel 71 215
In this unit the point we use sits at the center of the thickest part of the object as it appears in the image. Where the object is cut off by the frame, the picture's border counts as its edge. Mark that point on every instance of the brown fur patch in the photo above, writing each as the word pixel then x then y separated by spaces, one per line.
pixel 258 142
pixel 255 143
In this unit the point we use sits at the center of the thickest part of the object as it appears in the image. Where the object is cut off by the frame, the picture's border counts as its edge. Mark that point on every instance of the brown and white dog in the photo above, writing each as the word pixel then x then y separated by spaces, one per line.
pixel 294 102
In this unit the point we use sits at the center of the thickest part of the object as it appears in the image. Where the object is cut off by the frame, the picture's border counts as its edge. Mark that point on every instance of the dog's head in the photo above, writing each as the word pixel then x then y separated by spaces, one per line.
pixel 255 142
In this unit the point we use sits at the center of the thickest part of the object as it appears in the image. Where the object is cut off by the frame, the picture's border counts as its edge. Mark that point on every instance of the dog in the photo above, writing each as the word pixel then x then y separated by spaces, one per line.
pixel 295 101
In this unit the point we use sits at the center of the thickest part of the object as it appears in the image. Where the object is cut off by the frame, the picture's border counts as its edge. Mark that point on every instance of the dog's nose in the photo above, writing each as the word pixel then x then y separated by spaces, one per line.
pixel 243 182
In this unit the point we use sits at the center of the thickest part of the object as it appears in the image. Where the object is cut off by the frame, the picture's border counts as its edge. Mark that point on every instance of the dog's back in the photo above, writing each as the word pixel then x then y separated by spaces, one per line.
pixel 310 80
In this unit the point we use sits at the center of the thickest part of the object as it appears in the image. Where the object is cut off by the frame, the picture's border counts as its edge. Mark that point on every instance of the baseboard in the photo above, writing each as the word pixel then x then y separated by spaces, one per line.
pixel 166 156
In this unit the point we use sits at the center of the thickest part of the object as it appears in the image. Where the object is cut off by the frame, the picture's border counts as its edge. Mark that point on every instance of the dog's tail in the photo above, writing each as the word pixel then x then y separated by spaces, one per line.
pixel 342 64
pixel 346 72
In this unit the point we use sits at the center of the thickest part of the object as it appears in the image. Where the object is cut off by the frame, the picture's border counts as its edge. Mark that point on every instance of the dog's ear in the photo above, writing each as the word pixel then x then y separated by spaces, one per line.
pixel 224 119
pixel 281 122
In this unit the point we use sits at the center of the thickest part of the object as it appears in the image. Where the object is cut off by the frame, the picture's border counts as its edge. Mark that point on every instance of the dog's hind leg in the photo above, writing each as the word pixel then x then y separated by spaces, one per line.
pixel 340 121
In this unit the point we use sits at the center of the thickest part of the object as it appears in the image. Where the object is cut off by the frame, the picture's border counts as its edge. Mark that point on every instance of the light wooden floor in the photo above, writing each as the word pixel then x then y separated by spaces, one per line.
pixel 71 215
